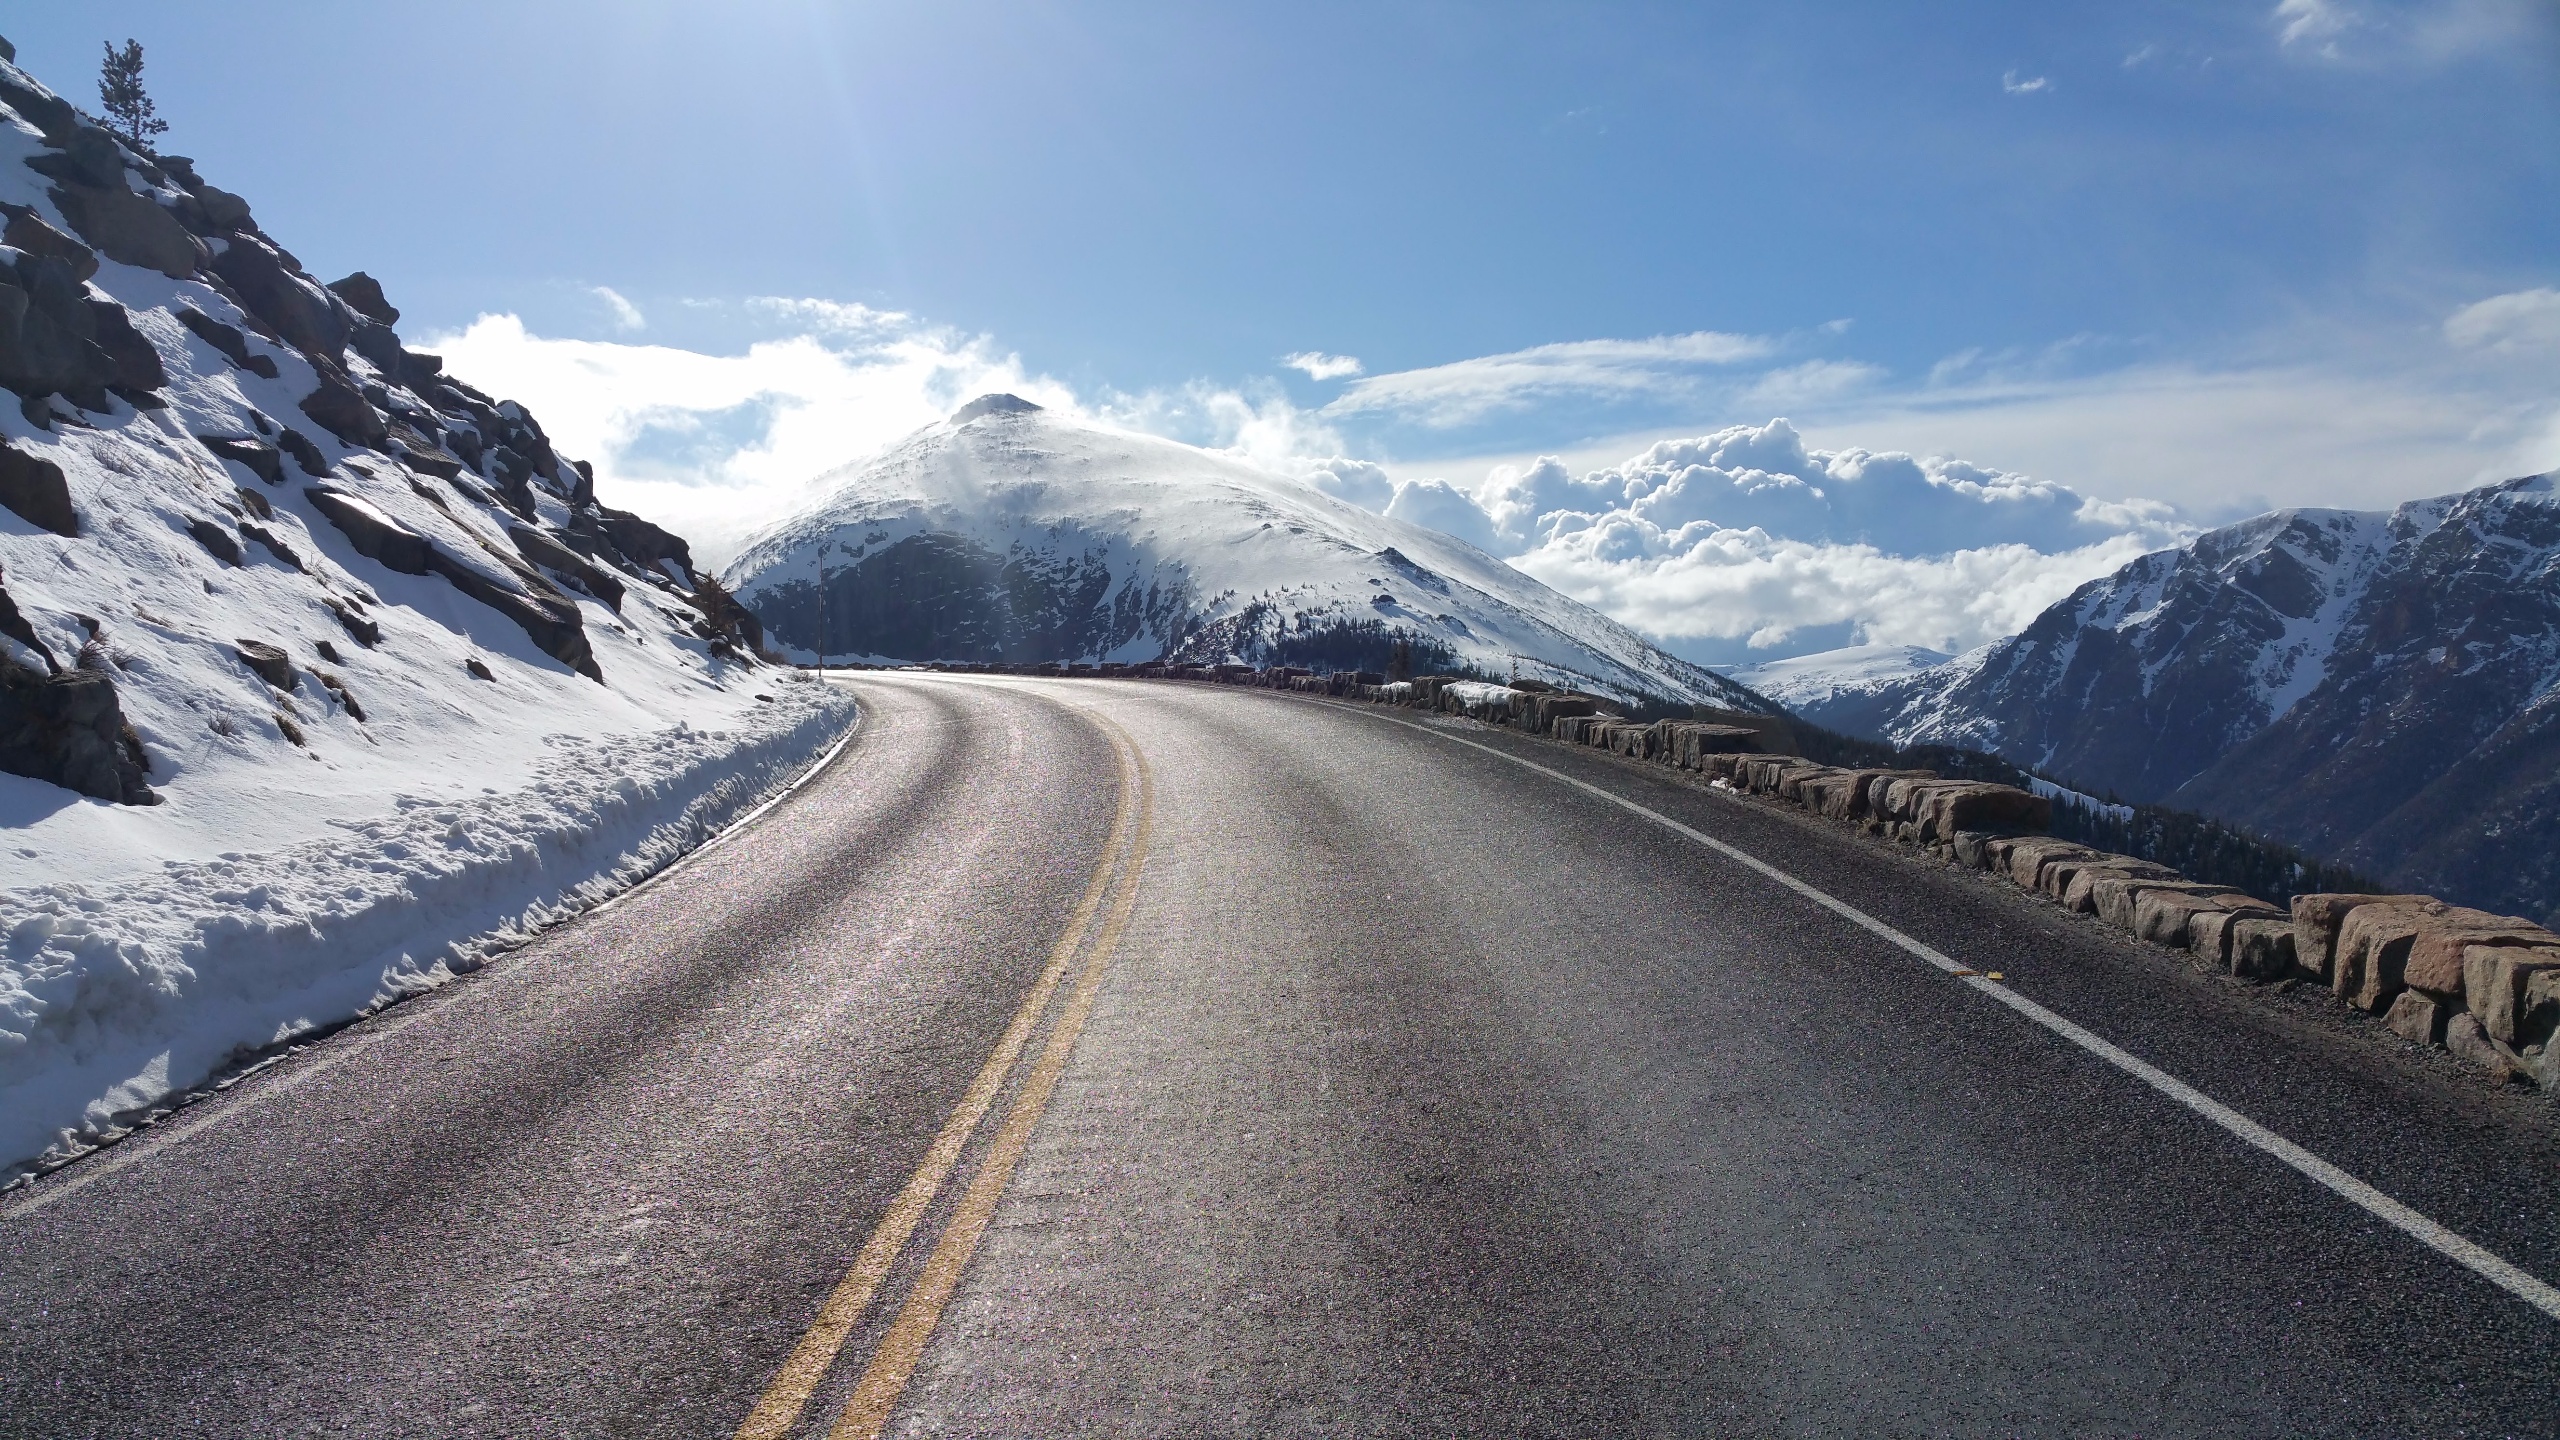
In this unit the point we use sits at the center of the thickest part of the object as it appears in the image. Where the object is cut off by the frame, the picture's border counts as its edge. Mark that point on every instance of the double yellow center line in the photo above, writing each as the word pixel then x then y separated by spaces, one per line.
pixel 1112 893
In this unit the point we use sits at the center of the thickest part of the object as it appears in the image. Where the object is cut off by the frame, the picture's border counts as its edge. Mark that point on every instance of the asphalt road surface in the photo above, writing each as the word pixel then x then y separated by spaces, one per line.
pixel 1100 1058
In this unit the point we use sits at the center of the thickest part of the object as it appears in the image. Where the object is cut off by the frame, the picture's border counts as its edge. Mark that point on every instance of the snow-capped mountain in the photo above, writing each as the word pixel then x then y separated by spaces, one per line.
pixel 316 663
pixel 1807 680
pixel 1012 533
pixel 2381 689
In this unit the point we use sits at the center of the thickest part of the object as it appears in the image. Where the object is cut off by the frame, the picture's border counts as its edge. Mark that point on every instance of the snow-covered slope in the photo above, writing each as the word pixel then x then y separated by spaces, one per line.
pixel 1010 533
pixel 320 667
pixel 2380 688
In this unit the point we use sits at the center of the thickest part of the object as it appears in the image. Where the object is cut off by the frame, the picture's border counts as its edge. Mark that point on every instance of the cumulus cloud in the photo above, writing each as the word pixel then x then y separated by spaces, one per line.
pixel 2523 320
pixel 1468 390
pixel 1320 366
pixel 2010 84
pixel 1703 583
pixel 715 446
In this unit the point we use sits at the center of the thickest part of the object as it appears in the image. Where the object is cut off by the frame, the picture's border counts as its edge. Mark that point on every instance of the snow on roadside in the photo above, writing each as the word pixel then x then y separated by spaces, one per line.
pixel 115 996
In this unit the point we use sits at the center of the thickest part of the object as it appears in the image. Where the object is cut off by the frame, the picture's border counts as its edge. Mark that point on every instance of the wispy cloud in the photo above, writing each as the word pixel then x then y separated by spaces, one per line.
pixel 626 316
pixel 2140 55
pixel 1468 390
pixel 2012 85
pixel 1320 366
pixel 2522 320
pixel 2314 25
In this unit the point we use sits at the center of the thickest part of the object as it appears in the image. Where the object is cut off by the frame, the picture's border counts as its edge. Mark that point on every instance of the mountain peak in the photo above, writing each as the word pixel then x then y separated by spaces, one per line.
pixel 992 405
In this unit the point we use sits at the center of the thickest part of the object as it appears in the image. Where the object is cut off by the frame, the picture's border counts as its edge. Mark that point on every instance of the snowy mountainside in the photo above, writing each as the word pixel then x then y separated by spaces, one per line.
pixel 320 666
pixel 1011 533
pixel 2379 688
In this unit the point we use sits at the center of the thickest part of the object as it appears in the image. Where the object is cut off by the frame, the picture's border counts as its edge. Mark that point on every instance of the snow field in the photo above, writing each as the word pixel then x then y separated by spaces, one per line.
pixel 116 996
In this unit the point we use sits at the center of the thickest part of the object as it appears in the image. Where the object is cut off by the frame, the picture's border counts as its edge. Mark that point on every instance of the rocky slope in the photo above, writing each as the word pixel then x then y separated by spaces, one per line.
pixel 1009 533
pixel 315 662
pixel 2377 688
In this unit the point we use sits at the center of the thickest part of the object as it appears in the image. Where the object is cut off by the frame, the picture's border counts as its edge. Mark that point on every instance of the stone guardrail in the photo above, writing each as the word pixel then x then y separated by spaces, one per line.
pixel 2484 987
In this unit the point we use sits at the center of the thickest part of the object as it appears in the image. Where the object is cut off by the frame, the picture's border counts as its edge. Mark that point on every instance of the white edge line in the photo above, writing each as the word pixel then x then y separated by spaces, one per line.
pixel 153 1139
pixel 2473 1257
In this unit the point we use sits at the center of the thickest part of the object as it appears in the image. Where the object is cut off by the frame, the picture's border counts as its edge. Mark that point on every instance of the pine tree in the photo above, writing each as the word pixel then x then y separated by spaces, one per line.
pixel 129 109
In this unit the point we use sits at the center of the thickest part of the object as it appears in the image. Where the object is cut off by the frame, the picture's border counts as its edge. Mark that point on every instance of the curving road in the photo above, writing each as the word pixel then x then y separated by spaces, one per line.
pixel 1090 1058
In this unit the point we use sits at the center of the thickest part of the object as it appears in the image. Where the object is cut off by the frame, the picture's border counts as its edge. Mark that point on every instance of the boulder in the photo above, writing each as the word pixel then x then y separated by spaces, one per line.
pixel 275 546
pixel 2317 919
pixel 1947 807
pixel 131 229
pixel 363 295
pixel 49 335
pixel 338 407
pixel 266 661
pixel 2261 950
pixel 2498 989
pixel 2117 898
pixel 375 535
pixel 540 549
pixel 306 316
pixel 35 491
pixel 1973 849
pixel 2373 951
pixel 216 540
pixel 2416 1018
pixel 305 455
pixel 227 341
pixel 2436 959
pixel 2464 1037
pixel 2211 932
pixel 48 113
pixel 2029 856
pixel 88 155
pixel 68 729
pixel 27 231
pixel 358 626
pixel 136 360
pixel 261 458
pixel 2074 882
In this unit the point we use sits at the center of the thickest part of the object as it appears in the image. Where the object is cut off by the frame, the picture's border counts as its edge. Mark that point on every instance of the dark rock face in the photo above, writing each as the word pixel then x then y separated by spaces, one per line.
pixel 35 491
pixel 262 458
pixel 943 597
pixel 216 541
pixel 131 229
pixel 267 661
pixel 270 287
pixel 363 295
pixel 228 341
pixel 68 729
pixel 338 407
pixel 992 405
pixel 27 231
pixel 49 335
pixel 550 618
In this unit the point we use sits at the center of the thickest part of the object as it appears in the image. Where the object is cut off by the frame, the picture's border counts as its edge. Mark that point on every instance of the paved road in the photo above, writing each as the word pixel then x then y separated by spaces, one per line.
pixel 1097 1058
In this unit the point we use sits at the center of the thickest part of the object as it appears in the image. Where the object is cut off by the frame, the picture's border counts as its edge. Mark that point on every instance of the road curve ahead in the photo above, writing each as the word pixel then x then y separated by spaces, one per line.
pixel 1099 1058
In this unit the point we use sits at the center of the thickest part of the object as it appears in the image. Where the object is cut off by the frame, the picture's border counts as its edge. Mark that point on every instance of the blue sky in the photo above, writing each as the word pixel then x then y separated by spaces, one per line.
pixel 2216 256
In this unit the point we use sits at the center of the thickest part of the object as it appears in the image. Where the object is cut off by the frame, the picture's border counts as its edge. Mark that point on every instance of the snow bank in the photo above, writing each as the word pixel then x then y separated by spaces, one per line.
pixel 115 996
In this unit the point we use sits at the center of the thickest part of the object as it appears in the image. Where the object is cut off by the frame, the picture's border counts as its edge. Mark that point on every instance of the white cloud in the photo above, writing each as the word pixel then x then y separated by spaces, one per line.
pixel 828 317
pixel 1467 390
pixel 1702 582
pixel 626 316
pixel 2522 320
pixel 1320 366
pixel 2141 55
pixel 2010 84
pixel 714 446
pixel 2314 24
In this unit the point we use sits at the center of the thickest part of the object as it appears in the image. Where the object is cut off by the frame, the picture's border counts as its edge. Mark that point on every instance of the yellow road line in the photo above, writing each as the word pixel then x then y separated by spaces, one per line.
pixel 902 1347
pixel 788 1393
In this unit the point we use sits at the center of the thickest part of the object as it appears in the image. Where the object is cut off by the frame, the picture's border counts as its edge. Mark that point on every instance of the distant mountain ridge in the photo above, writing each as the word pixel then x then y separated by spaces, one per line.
pixel 2382 689
pixel 1012 533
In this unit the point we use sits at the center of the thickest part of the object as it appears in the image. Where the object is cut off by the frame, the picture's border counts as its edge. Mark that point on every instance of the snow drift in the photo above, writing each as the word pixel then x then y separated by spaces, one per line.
pixel 319 670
